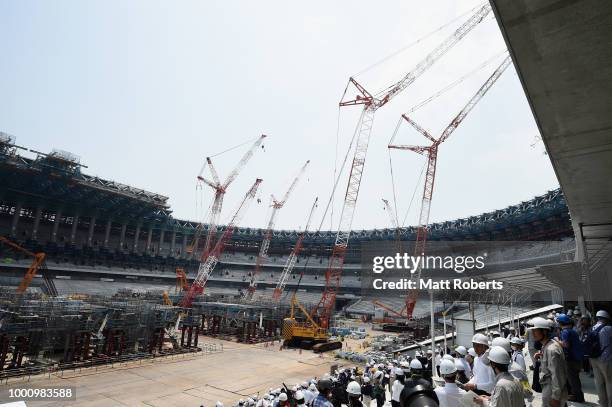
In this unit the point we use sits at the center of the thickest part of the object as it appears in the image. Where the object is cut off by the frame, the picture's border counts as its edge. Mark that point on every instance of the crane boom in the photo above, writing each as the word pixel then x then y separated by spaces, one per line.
pixel 37 263
pixel 333 274
pixel 430 174
pixel 291 260
pixel 265 243
pixel 208 265
pixel 220 190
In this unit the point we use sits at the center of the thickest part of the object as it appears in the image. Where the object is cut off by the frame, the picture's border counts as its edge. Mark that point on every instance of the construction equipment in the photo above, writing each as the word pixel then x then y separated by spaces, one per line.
pixel 292 259
pixel 306 333
pixel 322 311
pixel 220 190
pixel 181 280
pixel 265 243
pixel 431 152
pixel 208 265
pixel 37 263
pixel 167 299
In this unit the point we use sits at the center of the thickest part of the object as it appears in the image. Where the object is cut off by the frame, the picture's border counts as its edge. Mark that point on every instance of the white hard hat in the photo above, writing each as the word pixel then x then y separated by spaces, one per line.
pixel 398 371
pixel 569 312
pixel 218 404
pixel 541 323
pixel 299 395
pixel 241 401
pixel 481 339
pixel 447 367
pixel 497 354
pixel 602 314
pixel 282 397
pixel 304 385
pixel 516 341
pixel 366 379
pixel 404 364
pixel 459 365
pixel 461 350
pixel 502 342
pixel 353 388
pixel 312 387
pixel 472 352
pixel 415 364
pixel 429 352
pixel 448 357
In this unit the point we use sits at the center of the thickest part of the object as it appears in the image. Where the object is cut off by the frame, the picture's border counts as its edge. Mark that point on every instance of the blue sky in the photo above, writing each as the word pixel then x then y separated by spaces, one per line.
pixel 144 90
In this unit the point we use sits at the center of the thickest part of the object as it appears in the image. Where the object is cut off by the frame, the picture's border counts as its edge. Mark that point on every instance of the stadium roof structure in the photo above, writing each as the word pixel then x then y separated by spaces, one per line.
pixel 57 177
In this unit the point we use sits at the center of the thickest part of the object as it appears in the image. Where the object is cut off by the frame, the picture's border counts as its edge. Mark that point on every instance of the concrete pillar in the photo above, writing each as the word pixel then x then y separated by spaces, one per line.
pixel 92 226
pixel 136 238
pixel 172 243
pixel 56 224
pixel 183 254
pixel 109 224
pixel 161 241
pixel 75 223
pixel 37 216
pixel 149 236
pixel 16 216
pixel 122 237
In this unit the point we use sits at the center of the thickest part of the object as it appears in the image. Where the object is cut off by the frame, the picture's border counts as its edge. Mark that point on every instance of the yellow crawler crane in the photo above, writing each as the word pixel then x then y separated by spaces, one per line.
pixel 306 333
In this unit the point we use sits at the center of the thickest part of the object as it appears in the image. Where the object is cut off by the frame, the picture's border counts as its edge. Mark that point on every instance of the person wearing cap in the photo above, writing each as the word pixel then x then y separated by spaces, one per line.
pixel 461 353
pixel 283 400
pixel 397 387
pixel 517 352
pixel 378 390
pixel 572 348
pixel 483 377
pixel 416 376
pixel 602 364
pixel 450 394
pixel 310 394
pixel 553 368
pixel 353 389
pixel 461 376
pixel 366 392
pixel 507 392
pixel 471 355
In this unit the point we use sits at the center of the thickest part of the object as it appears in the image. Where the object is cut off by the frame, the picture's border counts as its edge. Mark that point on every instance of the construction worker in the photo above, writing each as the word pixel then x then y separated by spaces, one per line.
pixel 461 376
pixel 517 352
pixel 378 390
pixel 553 369
pixel 600 356
pixel 483 377
pixel 353 390
pixel 450 394
pixel 572 348
pixel 398 386
pixel 507 392
pixel 283 401
pixel 366 392
pixel 324 386
pixel 416 375
pixel 471 355
pixel 461 353
pixel 299 399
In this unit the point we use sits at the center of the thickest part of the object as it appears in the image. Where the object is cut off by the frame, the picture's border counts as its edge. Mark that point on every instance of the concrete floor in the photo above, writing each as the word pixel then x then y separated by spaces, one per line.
pixel 238 371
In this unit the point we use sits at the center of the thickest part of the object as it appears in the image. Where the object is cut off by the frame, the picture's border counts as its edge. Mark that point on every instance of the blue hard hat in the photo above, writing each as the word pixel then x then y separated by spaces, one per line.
pixel 564 319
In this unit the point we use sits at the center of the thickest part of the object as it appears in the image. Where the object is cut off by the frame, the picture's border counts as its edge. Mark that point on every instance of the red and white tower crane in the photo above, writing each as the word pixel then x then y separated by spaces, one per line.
pixel 371 104
pixel 208 265
pixel 220 190
pixel 431 152
pixel 265 243
pixel 291 260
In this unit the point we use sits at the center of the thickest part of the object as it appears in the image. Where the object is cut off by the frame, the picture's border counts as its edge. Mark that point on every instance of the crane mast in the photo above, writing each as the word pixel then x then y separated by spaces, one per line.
pixel 208 265
pixel 431 152
pixel 291 260
pixel 265 243
pixel 371 104
pixel 220 190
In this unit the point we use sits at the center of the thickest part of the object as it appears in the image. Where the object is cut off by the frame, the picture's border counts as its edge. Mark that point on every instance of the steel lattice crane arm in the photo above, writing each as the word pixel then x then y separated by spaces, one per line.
pixel 39 259
pixel 291 260
pixel 220 190
pixel 265 243
pixel 324 308
pixel 207 266
pixel 430 174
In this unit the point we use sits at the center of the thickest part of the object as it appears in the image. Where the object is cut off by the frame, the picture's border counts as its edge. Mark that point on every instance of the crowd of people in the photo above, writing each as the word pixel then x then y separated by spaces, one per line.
pixel 493 370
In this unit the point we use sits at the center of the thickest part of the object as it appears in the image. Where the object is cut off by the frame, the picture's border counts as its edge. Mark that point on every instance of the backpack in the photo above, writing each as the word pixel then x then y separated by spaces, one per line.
pixel 592 347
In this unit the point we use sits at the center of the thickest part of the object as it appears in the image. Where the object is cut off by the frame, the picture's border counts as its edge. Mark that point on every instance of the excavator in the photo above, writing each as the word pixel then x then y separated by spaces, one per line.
pixel 37 263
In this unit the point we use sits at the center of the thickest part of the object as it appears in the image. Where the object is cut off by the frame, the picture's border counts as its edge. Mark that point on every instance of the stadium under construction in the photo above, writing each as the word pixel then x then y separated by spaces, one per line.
pixel 95 273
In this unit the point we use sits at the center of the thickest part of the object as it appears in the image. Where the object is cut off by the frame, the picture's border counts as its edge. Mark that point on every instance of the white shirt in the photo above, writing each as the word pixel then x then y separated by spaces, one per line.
pixel 483 376
pixel 518 357
pixel 449 395
pixel 396 390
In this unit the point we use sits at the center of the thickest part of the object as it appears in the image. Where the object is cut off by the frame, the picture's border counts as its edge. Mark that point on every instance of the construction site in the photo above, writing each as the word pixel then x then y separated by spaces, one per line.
pixel 105 291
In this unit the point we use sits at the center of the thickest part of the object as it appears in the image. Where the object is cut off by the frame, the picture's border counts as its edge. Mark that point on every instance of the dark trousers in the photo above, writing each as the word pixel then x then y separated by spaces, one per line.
pixel 395 403
pixel 380 401
pixel 573 378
